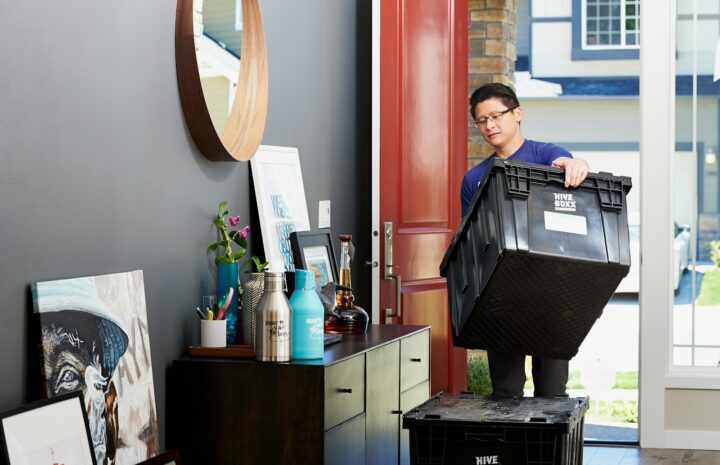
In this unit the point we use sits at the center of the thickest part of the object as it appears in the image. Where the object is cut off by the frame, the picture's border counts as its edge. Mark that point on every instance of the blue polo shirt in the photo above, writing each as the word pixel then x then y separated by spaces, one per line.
pixel 530 151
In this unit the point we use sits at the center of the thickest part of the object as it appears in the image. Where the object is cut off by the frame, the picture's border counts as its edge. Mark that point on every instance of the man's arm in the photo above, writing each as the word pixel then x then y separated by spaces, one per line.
pixel 576 170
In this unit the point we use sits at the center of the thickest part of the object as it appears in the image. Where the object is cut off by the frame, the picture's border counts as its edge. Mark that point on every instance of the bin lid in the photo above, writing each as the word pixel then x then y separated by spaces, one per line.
pixel 528 174
pixel 559 413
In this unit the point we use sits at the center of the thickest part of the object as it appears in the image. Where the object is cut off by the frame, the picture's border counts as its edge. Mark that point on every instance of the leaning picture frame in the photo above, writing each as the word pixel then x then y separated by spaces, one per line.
pixel 313 250
pixel 171 457
pixel 53 430
pixel 281 204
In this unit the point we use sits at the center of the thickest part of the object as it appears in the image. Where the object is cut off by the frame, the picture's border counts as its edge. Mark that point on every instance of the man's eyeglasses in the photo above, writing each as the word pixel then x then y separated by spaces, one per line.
pixel 494 117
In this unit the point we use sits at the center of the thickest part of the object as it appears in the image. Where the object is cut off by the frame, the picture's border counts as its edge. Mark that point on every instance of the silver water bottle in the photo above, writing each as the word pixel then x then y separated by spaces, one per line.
pixel 273 318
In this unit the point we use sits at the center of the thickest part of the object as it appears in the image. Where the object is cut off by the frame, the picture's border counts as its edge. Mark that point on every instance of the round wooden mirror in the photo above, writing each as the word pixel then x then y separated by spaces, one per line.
pixel 222 74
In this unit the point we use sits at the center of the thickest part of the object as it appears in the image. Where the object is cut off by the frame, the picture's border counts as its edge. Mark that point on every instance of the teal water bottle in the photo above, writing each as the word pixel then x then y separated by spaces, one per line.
pixel 308 316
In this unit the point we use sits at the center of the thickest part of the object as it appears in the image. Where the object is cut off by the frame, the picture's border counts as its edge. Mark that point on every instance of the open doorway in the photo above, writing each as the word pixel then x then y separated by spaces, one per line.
pixel 577 77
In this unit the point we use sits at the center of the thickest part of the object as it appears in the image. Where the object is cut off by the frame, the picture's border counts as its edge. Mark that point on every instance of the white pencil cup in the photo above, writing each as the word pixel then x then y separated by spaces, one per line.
pixel 212 333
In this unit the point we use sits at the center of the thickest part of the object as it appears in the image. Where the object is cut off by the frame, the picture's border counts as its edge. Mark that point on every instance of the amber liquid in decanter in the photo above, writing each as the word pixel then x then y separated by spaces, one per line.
pixel 347 317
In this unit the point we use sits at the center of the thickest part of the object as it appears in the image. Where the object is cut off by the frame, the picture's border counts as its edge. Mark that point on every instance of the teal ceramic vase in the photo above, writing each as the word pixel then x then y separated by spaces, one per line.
pixel 227 277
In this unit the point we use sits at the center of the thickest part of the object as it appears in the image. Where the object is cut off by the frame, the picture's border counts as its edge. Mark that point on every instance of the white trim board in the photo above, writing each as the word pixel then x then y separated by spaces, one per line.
pixel 703 380
pixel 700 440
pixel 657 136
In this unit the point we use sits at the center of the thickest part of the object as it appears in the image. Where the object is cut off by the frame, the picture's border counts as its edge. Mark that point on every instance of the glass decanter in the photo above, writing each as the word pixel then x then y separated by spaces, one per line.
pixel 346 317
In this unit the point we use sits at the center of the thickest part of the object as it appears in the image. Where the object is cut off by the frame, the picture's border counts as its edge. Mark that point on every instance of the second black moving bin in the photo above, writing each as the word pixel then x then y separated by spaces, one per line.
pixel 452 429
pixel 534 263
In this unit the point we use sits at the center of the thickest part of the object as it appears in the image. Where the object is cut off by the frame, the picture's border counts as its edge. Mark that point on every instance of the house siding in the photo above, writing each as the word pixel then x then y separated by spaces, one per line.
pixel 552 54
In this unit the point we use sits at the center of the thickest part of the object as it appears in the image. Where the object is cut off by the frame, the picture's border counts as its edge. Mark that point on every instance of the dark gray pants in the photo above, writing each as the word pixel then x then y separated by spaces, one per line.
pixel 507 373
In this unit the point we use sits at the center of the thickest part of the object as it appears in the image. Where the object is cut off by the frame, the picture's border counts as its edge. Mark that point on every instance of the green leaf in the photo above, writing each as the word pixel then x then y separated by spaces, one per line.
pixel 213 247
pixel 260 266
pixel 222 207
pixel 240 241
pixel 238 255
pixel 223 259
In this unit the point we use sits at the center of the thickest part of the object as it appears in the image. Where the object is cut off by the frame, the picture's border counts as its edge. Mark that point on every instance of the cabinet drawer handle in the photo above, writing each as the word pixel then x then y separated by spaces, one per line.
pixel 416 360
pixel 397 412
pixel 345 390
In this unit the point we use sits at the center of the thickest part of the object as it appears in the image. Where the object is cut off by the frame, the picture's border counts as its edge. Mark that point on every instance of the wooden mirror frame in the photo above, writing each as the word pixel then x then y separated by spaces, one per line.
pixel 246 122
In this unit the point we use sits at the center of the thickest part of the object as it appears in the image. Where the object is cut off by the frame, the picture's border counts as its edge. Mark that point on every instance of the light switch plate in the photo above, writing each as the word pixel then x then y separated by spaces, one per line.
pixel 324 214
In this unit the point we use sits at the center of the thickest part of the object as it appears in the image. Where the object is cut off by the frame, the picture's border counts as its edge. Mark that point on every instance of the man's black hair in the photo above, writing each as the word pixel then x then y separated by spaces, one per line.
pixel 493 90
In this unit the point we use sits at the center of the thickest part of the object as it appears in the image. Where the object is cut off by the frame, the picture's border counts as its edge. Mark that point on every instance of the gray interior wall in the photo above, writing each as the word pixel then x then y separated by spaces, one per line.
pixel 98 173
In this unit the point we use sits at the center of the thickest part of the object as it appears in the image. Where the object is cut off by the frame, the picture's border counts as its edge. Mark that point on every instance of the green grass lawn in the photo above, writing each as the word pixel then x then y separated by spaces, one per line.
pixel 710 289
pixel 615 411
pixel 478 374
pixel 626 380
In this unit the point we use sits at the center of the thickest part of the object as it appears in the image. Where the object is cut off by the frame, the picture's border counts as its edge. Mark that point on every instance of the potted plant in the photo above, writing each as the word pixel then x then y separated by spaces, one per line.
pixel 230 248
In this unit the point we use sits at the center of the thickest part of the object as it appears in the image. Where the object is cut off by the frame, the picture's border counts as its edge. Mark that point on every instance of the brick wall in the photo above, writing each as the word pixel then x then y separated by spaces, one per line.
pixel 491 48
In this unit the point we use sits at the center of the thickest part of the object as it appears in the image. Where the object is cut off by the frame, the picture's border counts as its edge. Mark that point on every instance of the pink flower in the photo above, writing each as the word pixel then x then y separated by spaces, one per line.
pixel 245 231
pixel 234 220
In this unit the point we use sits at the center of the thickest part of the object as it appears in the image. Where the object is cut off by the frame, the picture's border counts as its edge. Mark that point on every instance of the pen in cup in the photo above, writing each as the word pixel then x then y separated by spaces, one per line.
pixel 208 305
pixel 200 313
pixel 222 308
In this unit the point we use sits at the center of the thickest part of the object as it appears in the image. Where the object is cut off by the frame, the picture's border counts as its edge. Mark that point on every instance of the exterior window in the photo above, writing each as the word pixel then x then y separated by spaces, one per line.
pixel 611 24
pixel 696 245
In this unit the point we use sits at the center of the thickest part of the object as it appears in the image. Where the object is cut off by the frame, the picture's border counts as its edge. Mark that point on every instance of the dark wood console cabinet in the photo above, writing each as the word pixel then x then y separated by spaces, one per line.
pixel 343 409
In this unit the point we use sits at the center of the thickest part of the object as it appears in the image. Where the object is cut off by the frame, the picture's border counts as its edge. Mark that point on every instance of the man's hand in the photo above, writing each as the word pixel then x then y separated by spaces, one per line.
pixel 576 170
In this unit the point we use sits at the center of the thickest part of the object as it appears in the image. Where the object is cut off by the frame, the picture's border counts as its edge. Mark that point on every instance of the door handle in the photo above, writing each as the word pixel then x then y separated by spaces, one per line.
pixel 388 274
pixel 389 315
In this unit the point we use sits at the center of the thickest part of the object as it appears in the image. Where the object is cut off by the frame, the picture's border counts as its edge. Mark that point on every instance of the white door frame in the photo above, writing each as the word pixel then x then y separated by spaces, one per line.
pixel 375 169
pixel 657 143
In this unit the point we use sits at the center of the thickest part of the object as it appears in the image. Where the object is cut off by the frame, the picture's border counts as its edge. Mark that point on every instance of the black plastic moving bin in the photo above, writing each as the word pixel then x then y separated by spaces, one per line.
pixel 534 263
pixel 452 429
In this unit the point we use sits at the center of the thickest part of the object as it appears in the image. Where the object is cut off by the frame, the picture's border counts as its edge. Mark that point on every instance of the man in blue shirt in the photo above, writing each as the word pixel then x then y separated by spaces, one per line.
pixel 496 112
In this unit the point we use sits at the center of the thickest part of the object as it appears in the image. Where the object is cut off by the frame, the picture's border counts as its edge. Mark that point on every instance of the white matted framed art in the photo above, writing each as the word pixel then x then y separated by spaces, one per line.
pixel 280 196
pixel 53 430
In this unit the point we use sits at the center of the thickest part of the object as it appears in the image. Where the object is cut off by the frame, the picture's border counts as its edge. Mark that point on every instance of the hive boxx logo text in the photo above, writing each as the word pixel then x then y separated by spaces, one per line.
pixel 564 202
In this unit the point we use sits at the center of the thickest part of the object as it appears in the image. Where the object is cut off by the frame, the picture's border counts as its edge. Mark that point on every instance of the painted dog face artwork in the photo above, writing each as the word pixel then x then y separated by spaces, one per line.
pixel 73 354
pixel 94 339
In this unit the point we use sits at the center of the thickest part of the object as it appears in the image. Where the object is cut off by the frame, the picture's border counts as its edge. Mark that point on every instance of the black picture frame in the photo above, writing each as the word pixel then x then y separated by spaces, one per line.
pixel 171 457
pixel 54 420
pixel 313 250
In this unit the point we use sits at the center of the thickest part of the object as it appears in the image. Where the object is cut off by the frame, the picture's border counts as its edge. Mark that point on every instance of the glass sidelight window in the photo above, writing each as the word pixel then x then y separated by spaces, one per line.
pixel 696 228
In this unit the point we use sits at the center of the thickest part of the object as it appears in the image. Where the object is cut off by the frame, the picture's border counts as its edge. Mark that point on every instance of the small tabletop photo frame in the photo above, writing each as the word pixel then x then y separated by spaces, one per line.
pixel 313 251
pixel 50 431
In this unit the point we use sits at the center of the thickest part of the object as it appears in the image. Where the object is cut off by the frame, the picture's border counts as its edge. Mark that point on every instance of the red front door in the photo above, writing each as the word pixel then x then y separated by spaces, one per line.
pixel 423 155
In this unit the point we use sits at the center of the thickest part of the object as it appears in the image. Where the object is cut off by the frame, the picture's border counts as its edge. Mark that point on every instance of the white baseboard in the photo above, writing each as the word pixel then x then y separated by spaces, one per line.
pixel 699 440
